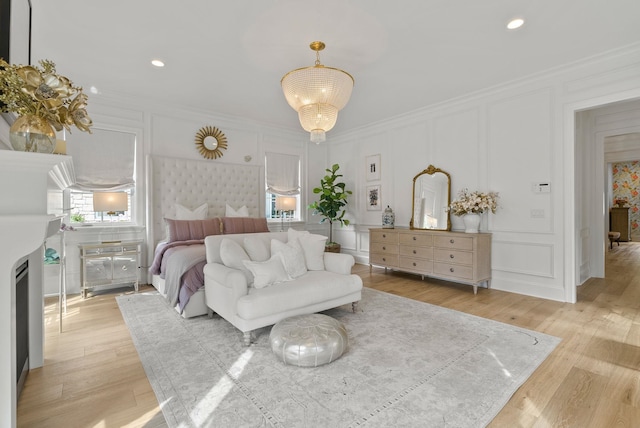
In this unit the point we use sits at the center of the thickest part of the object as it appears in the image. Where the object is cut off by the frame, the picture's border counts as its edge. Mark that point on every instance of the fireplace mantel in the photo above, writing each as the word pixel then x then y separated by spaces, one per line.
pixel 24 225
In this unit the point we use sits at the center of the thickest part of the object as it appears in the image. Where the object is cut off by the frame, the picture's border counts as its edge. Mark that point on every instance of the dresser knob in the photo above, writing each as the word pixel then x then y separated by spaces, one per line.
pixel 414 263
pixel 451 256
pixel 384 248
pixel 451 241
pixel 415 252
pixel 450 269
pixel 384 236
pixel 414 238
pixel 384 260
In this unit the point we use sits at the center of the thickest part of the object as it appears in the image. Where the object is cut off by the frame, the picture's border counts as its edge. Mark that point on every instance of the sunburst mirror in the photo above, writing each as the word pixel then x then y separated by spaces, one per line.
pixel 210 142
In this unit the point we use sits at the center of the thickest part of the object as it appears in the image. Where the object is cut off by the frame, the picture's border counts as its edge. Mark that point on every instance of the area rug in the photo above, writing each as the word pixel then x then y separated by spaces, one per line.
pixel 408 364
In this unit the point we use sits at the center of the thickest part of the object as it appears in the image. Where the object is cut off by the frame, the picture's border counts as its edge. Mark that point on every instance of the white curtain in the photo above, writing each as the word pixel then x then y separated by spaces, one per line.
pixel 103 160
pixel 283 174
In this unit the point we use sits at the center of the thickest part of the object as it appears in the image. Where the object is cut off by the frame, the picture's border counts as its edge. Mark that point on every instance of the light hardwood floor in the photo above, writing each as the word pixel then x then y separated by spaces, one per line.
pixel 92 376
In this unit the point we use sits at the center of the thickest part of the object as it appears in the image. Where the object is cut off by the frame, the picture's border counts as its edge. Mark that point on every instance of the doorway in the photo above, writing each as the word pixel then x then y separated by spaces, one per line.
pixel 599 140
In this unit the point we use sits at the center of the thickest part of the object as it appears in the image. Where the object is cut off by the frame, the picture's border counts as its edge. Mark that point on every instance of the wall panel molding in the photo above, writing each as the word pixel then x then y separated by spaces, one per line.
pixel 525 258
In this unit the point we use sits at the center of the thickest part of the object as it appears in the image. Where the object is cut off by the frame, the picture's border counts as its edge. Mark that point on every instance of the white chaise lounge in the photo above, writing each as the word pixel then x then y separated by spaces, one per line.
pixel 252 281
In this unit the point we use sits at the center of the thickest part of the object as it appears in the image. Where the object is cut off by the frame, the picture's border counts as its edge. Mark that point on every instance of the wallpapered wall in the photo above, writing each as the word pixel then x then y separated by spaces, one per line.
pixel 626 185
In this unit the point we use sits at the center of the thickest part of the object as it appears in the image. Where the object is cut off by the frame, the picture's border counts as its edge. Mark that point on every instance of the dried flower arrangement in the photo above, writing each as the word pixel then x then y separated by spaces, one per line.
pixel 474 202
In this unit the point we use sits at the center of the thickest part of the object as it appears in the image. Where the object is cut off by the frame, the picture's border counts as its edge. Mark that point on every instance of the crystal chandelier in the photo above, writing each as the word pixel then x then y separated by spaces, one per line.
pixel 317 93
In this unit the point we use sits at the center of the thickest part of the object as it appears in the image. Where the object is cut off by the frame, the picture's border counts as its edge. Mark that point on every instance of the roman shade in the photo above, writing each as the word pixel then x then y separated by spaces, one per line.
pixel 283 174
pixel 103 160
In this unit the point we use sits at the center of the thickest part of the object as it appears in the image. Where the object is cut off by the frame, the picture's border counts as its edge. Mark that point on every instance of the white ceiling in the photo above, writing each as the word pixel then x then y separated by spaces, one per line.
pixel 229 56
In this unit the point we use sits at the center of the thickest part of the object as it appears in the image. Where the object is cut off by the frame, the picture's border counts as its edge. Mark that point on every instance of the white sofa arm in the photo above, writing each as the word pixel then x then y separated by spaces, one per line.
pixel 339 263
pixel 217 275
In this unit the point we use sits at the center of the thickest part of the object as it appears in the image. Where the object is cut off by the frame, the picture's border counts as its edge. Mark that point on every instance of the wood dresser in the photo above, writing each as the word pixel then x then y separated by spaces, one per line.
pixel 619 221
pixel 452 256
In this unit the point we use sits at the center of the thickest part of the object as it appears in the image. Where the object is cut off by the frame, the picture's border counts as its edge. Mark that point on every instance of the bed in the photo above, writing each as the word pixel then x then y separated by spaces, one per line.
pixel 179 188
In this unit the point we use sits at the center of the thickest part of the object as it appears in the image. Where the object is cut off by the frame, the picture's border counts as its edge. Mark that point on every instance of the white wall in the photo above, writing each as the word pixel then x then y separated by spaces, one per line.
pixel 503 139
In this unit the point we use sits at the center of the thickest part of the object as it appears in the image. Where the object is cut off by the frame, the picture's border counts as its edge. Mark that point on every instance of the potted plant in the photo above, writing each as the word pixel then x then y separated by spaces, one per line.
pixel 333 197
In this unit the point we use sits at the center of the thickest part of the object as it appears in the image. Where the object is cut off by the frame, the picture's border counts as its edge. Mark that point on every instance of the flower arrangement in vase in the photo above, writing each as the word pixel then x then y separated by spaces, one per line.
pixel 621 203
pixel 44 101
pixel 471 205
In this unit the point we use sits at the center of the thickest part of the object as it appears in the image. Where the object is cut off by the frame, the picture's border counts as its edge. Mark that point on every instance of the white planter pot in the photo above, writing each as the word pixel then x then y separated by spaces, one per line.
pixel 471 223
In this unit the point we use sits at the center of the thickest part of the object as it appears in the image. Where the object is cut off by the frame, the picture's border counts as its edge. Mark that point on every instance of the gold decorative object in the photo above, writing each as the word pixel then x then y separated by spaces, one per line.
pixel 42 92
pixel 317 93
pixel 210 142
pixel 431 198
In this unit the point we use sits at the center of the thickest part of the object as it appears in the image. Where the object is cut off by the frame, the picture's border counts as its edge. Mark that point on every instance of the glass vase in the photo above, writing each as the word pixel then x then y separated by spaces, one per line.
pixel 30 133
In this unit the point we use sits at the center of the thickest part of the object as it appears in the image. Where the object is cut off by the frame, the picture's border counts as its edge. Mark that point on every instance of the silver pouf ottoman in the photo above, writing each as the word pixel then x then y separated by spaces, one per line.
pixel 308 340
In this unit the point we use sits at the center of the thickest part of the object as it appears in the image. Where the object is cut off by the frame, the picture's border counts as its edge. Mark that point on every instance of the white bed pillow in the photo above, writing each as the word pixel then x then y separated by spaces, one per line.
pixel 292 258
pixel 184 213
pixel 256 248
pixel 232 255
pixel 268 272
pixel 313 250
pixel 243 211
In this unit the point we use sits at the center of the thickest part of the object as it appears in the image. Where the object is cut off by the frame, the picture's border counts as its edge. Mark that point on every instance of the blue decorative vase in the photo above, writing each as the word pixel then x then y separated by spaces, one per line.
pixel 388 218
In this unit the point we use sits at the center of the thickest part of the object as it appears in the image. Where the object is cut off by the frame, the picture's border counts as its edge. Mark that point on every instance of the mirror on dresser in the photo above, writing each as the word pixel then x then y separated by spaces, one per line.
pixel 431 199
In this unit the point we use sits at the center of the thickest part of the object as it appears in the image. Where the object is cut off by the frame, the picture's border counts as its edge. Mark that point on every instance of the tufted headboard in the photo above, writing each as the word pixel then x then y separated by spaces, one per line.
pixel 193 182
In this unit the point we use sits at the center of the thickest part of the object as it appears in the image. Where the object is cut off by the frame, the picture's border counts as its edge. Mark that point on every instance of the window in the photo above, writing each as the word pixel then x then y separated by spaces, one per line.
pixel 283 180
pixel 104 161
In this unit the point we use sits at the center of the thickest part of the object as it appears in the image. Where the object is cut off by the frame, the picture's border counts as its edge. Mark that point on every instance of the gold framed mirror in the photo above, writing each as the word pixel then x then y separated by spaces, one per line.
pixel 210 142
pixel 431 200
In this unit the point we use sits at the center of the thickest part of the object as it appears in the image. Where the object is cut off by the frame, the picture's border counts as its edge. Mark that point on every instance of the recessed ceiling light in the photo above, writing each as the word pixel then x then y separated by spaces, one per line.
pixel 94 90
pixel 515 23
pixel 157 63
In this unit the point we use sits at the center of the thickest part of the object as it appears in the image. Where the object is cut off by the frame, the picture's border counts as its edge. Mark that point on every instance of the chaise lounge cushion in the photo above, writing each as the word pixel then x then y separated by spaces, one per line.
pixel 256 248
pixel 267 273
pixel 292 258
pixel 313 250
pixel 313 287
pixel 233 255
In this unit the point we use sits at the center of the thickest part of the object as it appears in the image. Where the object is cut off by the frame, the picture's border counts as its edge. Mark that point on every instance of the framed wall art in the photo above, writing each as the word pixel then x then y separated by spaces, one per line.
pixel 372 167
pixel 373 198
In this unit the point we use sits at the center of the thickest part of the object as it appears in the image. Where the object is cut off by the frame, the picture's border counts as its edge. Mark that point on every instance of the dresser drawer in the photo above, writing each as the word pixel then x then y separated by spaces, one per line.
pixel 454 271
pixel 419 252
pixel 383 236
pixel 416 265
pixel 383 248
pixel 454 242
pixel 390 260
pixel 453 256
pixel 417 239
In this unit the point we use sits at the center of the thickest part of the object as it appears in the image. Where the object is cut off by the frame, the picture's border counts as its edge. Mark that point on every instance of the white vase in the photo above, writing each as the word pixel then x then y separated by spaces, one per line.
pixel 471 222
